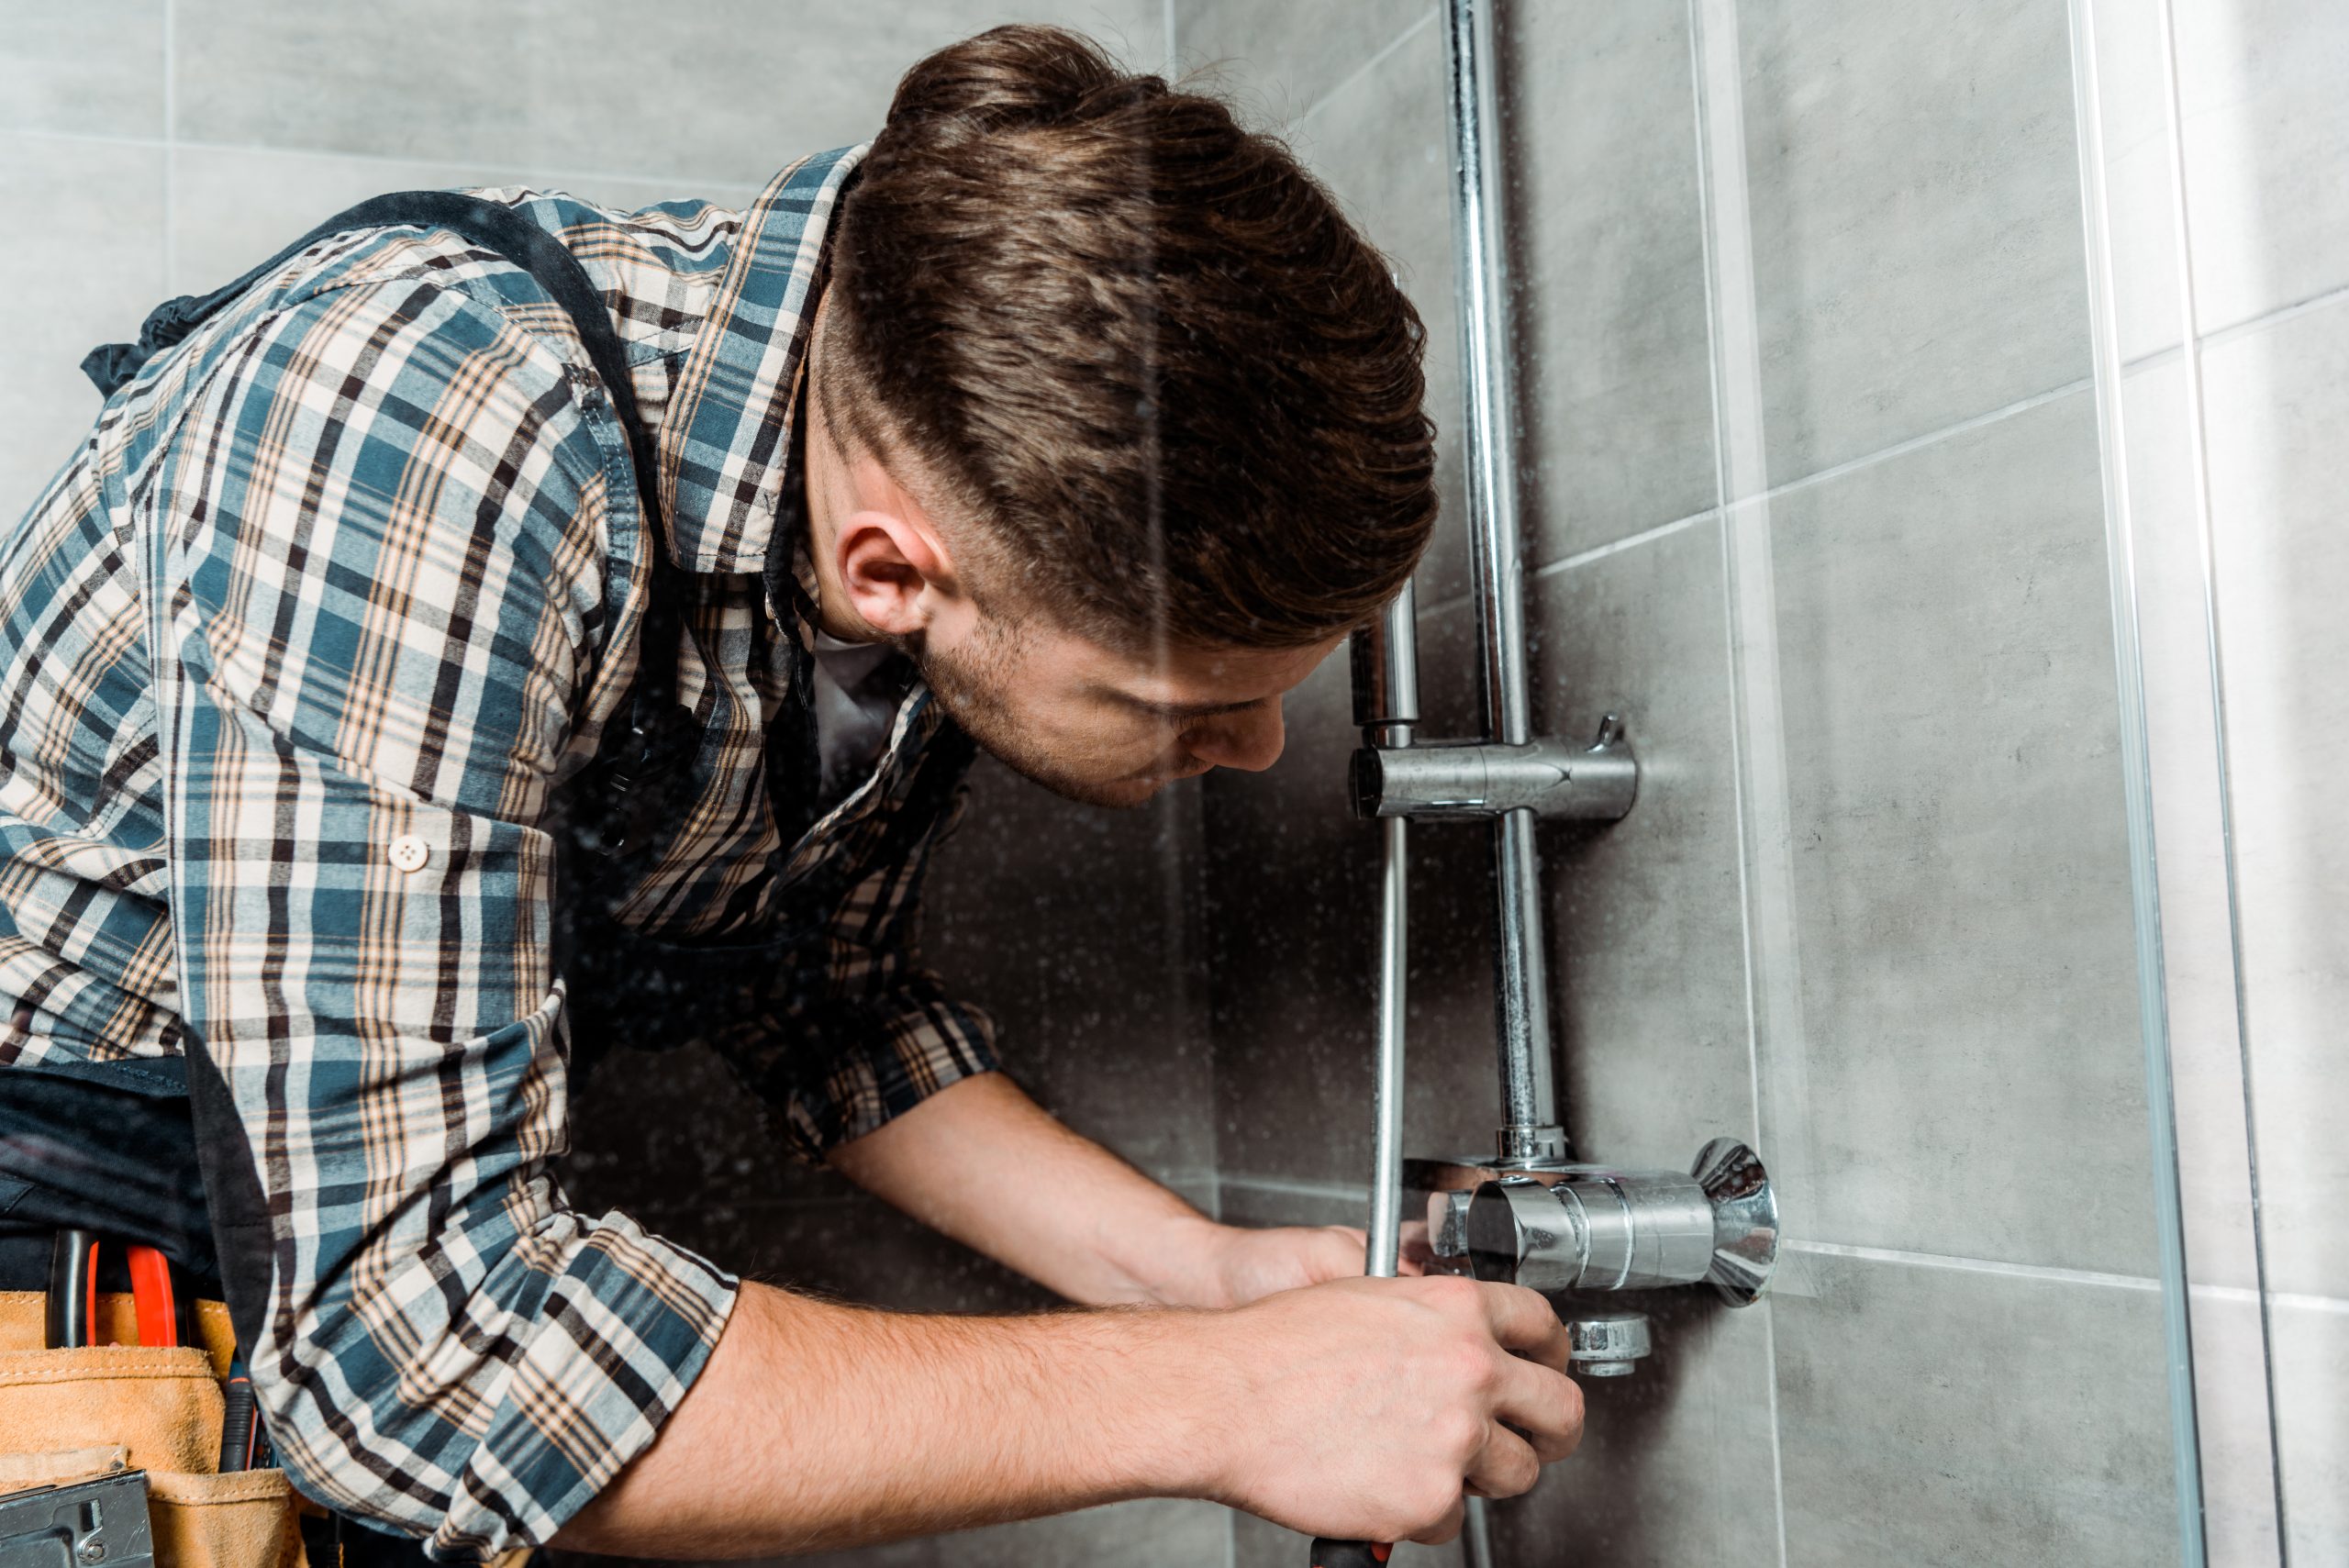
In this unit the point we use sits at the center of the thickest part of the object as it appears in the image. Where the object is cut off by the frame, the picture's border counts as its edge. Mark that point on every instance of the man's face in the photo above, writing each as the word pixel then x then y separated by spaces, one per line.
pixel 1101 725
pixel 1106 726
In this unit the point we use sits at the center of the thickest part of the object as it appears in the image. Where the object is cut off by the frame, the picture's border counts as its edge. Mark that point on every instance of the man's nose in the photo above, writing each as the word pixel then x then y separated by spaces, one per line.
pixel 1249 740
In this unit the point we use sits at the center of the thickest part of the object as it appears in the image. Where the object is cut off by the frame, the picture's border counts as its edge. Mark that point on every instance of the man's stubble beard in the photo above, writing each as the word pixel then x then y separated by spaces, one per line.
pixel 970 685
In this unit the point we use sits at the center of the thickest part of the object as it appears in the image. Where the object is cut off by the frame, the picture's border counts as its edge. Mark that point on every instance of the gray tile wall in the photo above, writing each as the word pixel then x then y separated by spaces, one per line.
pixel 1936 614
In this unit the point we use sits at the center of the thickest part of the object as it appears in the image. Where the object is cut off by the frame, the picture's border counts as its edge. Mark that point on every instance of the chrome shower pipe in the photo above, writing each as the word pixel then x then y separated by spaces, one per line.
pixel 1386 705
pixel 1496 568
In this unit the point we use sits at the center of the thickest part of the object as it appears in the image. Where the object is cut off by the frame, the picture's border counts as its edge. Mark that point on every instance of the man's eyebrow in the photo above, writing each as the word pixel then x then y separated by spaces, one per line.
pixel 1175 709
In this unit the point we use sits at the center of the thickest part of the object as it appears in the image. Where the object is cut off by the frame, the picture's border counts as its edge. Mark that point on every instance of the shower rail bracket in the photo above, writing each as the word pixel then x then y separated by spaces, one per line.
pixel 1551 778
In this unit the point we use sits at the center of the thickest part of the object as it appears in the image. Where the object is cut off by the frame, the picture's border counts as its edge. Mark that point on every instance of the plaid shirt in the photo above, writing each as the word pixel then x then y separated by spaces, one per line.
pixel 293 654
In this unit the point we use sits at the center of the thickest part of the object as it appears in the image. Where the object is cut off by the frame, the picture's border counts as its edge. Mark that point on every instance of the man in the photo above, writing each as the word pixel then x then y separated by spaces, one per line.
pixel 1080 405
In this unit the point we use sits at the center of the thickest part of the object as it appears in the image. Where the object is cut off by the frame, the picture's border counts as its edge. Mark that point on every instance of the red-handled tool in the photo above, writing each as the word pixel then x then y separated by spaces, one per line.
pixel 155 1296
pixel 1351 1554
pixel 71 1310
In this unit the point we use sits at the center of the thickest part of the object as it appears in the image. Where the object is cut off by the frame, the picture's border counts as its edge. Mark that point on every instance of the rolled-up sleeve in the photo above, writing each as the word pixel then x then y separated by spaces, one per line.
pixel 375 596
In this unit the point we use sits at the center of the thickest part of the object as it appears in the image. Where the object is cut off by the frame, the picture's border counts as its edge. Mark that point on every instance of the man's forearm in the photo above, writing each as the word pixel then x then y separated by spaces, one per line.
pixel 986 1164
pixel 816 1425
pixel 1360 1407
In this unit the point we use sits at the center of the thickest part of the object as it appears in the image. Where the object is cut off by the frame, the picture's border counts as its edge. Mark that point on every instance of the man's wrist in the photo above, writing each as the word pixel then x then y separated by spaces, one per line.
pixel 1178 1262
pixel 1184 1383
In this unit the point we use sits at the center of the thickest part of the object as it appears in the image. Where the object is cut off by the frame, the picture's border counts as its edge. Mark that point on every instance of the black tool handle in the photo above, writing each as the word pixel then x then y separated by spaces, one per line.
pixel 239 1419
pixel 72 1267
pixel 1350 1554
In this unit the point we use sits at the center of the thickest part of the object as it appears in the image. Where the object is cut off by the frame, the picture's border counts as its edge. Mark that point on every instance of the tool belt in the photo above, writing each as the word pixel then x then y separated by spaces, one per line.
pixel 124 1403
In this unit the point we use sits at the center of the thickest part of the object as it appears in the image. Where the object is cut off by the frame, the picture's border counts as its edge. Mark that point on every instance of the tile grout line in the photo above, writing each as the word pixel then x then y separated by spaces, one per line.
pixel 2249 326
pixel 171 143
pixel 1972 1265
pixel 1427 20
pixel 2280 313
pixel 1792 487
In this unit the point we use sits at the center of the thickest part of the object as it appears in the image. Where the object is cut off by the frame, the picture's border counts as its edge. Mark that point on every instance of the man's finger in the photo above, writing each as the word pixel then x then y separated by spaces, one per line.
pixel 1522 1321
pixel 1446 1528
pixel 1507 1466
pixel 1541 1406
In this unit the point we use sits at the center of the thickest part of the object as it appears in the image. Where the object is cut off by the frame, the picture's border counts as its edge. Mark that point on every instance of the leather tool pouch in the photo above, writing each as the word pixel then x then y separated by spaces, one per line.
pixel 69 1414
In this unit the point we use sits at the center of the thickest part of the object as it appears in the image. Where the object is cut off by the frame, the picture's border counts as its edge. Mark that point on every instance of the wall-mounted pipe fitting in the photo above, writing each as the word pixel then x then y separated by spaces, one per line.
pixel 1590 1228
pixel 1549 777
pixel 1608 1346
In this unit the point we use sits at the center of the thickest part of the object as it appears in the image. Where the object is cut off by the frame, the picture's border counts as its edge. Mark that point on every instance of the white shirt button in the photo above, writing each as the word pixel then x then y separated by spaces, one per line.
pixel 409 852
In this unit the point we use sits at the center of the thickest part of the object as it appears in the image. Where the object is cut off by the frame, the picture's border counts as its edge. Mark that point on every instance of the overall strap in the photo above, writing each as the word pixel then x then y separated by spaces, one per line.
pixel 662 735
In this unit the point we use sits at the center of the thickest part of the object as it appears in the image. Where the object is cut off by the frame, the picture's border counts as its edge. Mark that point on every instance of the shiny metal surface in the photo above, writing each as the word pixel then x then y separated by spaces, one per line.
pixel 1745 1220
pixel 1548 777
pixel 1385 1228
pixel 1497 567
pixel 1608 1346
pixel 1522 996
pixel 1594 1230
pixel 1385 662
pixel 1566 1225
pixel 1496 561
pixel 1386 704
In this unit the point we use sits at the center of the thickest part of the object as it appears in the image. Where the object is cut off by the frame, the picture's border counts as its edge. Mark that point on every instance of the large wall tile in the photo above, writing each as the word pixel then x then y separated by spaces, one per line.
pixel 2312 1350
pixel 1961 871
pixel 2275 402
pixel 1607 236
pixel 725 90
pixel 1915 192
pixel 231 207
pixel 95 272
pixel 1380 143
pixel 1280 60
pixel 1645 914
pixel 1674 1463
pixel 1958 1416
pixel 95 66
pixel 2267 140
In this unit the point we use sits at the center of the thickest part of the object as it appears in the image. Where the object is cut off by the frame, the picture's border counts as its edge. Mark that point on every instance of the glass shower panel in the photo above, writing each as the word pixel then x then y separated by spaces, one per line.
pixel 1940 883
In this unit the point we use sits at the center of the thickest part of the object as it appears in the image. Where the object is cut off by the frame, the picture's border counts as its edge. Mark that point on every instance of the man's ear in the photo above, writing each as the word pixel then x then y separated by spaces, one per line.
pixel 894 570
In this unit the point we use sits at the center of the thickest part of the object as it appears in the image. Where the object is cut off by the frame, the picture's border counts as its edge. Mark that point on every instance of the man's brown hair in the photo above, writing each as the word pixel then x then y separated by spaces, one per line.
pixel 1137 344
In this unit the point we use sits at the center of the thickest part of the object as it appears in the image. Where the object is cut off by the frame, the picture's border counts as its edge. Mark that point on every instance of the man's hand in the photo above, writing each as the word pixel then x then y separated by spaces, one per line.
pixel 1373 1406
pixel 1207 1264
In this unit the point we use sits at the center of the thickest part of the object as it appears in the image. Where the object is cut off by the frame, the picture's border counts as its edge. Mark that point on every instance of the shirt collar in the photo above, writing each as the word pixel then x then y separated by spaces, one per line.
pixel 725 438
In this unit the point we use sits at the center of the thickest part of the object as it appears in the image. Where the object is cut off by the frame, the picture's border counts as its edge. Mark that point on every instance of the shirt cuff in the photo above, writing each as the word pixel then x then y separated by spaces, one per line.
pixel 626 1324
